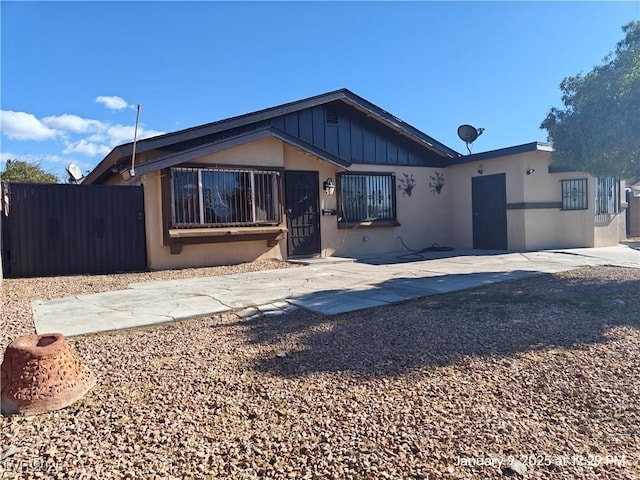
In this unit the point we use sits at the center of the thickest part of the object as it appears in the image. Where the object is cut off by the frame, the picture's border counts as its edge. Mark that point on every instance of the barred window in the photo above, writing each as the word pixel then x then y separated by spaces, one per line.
pixel 574 194
pixel 366 197
pixel 607 193
pixel 224 197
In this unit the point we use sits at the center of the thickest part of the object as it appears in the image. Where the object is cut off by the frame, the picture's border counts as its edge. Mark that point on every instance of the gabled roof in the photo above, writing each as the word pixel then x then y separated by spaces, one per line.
pixel 219 146
pixel 346 96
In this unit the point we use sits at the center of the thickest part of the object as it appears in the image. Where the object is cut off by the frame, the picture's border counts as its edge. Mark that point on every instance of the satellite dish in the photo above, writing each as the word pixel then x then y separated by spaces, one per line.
pixel 468 134
pixel 75 174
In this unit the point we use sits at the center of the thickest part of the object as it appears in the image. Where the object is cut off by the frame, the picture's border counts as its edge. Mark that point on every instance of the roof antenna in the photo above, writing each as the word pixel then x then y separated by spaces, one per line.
pixel 132 171
pixel 468 134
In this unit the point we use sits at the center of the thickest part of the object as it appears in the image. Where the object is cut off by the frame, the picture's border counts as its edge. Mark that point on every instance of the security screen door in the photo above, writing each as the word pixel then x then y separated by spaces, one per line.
pixel 303 219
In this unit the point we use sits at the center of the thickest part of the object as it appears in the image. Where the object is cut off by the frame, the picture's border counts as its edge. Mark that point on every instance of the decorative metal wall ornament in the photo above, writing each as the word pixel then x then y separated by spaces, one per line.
pixel 406 184
pixel 437 182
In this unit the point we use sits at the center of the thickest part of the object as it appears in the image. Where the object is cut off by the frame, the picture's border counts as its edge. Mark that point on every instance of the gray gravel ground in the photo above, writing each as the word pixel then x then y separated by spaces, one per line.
pixel 544 370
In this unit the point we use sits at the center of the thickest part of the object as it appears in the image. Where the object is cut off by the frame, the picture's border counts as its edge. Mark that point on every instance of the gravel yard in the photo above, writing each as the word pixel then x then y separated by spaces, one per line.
pixel 544 370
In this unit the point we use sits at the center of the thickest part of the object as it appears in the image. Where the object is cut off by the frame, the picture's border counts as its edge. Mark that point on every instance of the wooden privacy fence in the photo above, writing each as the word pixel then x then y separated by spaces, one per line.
pixel 56 229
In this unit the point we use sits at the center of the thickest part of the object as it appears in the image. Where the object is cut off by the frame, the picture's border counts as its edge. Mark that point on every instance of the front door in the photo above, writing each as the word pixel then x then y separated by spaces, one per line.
pixel 303 219
pixel 489 206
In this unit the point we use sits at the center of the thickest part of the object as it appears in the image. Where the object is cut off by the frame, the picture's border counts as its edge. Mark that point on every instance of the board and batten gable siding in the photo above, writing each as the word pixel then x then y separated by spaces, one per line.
pixel 352 136
pixel 347 133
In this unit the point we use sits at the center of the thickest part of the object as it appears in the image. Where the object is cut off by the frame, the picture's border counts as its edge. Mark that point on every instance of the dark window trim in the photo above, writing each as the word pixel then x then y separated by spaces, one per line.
pixel 584 205
pixel 387 222
pixel 177 237
pixel 232 224
pixel 230 166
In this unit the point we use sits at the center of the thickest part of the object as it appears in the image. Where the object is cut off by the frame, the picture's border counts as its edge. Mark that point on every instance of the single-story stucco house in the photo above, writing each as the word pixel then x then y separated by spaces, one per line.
pixel 336 175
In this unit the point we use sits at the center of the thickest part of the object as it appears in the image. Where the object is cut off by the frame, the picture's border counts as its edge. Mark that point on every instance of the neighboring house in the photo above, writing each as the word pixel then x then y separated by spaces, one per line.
pixel 336 175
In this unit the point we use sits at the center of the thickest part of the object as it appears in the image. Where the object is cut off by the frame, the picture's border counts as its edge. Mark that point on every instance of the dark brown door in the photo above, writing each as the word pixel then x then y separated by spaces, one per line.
pixel 303 219
pixel 489 199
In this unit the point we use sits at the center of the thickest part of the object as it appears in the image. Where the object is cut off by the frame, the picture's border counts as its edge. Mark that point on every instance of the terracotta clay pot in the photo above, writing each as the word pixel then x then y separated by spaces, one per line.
pixel 40 373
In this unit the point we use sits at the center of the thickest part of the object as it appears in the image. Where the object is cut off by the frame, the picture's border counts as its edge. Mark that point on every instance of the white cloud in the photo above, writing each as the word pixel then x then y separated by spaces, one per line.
pixel 31 158
pixel 70 135
pixel 113 103
pixel 24 126
pixel 73 123
pixel 84 147
pixel 97 138
pixel 119 134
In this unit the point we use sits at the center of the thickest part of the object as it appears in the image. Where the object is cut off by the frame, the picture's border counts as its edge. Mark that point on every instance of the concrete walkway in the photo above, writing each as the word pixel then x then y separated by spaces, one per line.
pixel 328 286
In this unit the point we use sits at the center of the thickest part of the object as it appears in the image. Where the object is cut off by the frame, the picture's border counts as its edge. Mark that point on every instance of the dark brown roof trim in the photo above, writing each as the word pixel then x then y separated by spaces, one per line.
pixel 227 143
pixel 343 95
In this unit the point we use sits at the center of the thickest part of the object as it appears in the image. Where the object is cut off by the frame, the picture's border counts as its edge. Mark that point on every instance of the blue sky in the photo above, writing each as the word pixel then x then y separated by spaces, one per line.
pixel 72 72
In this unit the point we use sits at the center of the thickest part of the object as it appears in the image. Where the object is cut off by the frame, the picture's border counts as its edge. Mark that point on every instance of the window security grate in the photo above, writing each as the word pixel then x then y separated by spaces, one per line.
pixel 574 194
pixel 224 197
pixel 367 197
pixel 607 195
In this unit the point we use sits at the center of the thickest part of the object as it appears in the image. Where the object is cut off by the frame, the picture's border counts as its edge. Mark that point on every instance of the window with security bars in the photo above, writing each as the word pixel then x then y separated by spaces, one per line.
pixel 607 193
pixel 366 197
pixel 224 197
pixel 574 194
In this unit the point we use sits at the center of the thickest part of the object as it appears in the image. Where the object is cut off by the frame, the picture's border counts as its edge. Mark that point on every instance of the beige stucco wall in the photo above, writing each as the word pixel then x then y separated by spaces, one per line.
pixel 547 228
pixel 461 201
pixel 610 229
pixel 423 216
pixel 159 256
pixel 536 226
pixel 266 152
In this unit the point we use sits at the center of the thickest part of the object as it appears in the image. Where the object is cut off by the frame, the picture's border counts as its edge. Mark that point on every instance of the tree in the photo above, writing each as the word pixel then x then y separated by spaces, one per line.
pixel 598 131
pixel 25 172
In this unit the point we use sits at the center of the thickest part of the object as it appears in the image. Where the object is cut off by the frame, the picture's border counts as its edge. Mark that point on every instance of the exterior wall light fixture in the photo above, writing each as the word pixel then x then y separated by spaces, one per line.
pixel 329 186
pixel 530 171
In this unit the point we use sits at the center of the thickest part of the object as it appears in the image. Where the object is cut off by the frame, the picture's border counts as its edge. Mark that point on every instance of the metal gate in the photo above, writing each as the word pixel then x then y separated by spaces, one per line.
pixel 489 205
pixel 55 229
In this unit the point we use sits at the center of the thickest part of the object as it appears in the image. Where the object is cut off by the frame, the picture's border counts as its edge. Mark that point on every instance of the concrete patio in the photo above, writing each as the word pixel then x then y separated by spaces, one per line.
pixel 328 286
